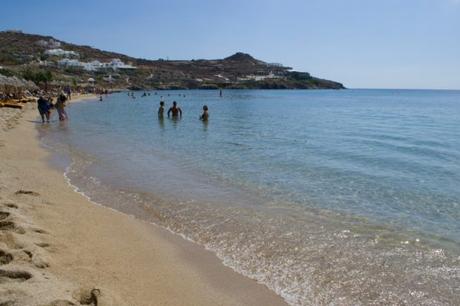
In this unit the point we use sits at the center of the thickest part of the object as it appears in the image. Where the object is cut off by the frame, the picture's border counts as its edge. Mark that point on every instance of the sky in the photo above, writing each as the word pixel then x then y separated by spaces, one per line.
pixel 411 44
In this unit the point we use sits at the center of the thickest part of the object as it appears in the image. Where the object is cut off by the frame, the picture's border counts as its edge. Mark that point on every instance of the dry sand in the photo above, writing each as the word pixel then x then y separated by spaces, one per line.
pixel 57 248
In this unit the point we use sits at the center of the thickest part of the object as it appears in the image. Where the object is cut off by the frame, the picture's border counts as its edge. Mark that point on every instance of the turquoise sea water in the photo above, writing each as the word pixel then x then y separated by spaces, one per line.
pixel 342 197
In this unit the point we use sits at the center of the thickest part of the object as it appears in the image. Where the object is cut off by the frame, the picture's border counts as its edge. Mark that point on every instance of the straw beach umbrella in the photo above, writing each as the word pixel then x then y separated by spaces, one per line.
pixel 15 85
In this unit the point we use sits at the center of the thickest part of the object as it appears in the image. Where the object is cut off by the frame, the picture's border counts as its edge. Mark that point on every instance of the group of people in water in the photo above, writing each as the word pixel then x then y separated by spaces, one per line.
pixel 176 112
pixel 46 106
pixel 146 94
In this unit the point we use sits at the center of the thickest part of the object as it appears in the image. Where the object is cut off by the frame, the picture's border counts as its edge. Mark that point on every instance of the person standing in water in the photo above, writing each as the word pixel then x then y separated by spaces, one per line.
pixel 175 111
pixel 161 110
pixel 43 109
pixel 60 106
pixel 205 115
pixel 68 93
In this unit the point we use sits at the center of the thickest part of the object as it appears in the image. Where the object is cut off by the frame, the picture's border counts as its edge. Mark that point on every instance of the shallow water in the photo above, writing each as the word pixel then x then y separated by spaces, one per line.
pixel 327 197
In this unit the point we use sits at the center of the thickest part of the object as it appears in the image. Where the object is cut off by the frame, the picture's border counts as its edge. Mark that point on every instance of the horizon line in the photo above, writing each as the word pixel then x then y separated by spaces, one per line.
pixel 20 31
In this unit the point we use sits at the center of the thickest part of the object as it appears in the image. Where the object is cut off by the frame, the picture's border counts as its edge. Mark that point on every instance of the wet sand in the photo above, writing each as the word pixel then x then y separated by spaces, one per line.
pixel 57 248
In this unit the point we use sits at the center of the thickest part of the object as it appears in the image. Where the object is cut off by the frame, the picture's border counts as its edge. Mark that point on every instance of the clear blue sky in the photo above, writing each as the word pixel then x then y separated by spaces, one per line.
pixel 362 43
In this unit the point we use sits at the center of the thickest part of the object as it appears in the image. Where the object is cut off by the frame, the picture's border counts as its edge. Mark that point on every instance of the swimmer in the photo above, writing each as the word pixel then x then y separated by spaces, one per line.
pixel 175 111
pixel 205 115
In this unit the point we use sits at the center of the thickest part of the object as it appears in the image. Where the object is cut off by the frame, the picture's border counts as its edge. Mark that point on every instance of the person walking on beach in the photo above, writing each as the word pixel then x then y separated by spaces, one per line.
pixel 50 104
pixel 68 91
pixel 43 109
pixel 175 111
pixel 60 106
pixel 205 115
pixel 161 110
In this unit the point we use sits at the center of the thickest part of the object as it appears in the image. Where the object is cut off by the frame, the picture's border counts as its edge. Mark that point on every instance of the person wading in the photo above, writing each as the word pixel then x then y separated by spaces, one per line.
pixel 175 111
pixel 44 109
pixel 161 110
pixel 205 115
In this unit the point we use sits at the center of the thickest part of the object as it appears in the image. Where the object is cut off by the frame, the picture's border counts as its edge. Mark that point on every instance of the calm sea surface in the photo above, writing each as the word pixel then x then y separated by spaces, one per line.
pixel 328 197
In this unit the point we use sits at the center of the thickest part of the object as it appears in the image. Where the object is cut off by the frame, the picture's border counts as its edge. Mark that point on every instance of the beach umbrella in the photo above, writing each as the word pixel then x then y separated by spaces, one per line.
pixel 6 84
pixel 15 85
pixel 3 81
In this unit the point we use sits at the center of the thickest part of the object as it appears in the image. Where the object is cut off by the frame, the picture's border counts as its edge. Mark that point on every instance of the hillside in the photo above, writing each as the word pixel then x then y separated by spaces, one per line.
pixel 44 59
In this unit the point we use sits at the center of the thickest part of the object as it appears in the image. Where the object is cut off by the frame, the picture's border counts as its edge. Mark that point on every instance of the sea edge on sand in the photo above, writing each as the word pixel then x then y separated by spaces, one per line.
pixel 65 248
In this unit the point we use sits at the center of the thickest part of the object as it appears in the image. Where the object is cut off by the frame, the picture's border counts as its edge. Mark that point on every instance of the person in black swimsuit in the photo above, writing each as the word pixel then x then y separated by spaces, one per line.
pixel 175 111
pixel 161 110
pixel 205 115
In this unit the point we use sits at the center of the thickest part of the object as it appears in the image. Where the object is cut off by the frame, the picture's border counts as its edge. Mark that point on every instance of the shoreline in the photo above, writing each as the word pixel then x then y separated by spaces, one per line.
pixel 64 248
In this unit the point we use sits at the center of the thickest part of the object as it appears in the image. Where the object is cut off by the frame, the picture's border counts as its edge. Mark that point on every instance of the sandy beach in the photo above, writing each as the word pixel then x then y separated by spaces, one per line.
pixel 58 248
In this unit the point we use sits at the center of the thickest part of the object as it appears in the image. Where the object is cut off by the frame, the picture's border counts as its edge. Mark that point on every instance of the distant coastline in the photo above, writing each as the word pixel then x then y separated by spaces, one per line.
pixel 30 57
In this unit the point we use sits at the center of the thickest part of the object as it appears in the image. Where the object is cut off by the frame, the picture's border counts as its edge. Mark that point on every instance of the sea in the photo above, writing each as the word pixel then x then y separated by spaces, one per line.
pixel 327 197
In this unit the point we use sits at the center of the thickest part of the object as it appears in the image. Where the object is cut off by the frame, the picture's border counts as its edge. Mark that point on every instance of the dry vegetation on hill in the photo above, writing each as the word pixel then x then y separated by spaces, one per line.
pixel 29 56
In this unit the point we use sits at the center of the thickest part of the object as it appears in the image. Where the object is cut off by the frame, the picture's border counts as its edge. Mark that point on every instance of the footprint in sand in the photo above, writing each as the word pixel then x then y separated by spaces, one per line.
pixel 5 258
pixel 4 215
pixel 43 244
pixel 88 296
pixel 39 262
pixel 10 205
pixel 7 276
pixel 27 192
pixel 59 303
pixel 7 225
pixel 28 253
pixel 11 226
pixel 11 240
pixel 36 259
pixel 40 231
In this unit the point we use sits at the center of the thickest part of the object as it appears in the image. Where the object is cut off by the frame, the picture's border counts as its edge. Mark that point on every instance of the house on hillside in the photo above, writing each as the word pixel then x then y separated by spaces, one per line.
pixel 253 77
pixel 51 43
pixel 95 65
pixel 60 52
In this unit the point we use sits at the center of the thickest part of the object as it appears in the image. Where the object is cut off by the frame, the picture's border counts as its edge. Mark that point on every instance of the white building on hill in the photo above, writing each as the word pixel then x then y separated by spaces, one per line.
pixel 114 64
pixel 60 52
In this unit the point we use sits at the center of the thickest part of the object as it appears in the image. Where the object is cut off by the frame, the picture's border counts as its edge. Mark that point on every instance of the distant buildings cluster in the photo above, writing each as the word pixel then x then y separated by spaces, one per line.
pixel 60 52
pixel 50 43
pixel 252 77
pixel 70 59
pixel 95 65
